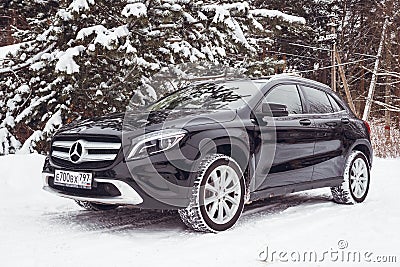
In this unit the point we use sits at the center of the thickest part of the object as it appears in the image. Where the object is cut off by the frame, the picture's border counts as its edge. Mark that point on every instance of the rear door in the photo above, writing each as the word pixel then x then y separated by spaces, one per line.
pixel 294 140
pixel 328 117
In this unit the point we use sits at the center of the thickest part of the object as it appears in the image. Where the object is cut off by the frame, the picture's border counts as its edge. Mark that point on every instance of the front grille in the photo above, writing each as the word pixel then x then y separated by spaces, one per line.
pixel 91 152
pixel 98 190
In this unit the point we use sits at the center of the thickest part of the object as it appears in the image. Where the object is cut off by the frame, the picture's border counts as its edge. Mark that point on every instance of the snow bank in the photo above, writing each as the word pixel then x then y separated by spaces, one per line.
pixel 21 186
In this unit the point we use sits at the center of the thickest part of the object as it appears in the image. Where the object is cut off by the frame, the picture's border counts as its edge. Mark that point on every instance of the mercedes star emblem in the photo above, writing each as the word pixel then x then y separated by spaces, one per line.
pixel 75 152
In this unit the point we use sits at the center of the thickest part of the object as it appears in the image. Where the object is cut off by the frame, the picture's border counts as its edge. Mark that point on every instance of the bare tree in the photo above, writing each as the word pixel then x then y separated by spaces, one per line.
pixel 372 86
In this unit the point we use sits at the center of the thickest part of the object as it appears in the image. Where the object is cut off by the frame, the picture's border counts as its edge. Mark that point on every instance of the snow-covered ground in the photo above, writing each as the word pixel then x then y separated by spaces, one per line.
pixel 39 229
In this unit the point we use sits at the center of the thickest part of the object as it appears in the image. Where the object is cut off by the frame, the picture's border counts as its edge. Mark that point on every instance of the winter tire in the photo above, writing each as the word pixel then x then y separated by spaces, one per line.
pixel 356 180
pixel 217 197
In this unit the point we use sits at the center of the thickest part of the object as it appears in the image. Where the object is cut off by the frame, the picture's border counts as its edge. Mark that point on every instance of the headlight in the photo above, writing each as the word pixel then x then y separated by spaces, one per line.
pixel 154 142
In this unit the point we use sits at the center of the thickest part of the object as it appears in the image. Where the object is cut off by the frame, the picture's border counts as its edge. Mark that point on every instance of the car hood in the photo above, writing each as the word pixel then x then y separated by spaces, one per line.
pixel 115 124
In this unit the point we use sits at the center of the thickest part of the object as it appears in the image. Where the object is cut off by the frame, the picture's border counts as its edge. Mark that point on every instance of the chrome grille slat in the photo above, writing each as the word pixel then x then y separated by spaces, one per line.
pixel 99 157
pixel 102 145
pixel 65 144
pixel 60 155
pixel 88 145
pixel 106 151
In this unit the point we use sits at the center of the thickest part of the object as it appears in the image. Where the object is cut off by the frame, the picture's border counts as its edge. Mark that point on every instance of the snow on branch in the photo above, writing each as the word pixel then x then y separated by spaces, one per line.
pixel 28 62
pixel 267 13
pixel 104 36
pixel 7 142
pixel 387 106
pixel 135 10
pixel 78 5
pixel 66 62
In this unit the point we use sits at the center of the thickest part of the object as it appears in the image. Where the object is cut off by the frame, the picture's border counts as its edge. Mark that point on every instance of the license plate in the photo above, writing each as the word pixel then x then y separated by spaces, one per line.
pixel 73 179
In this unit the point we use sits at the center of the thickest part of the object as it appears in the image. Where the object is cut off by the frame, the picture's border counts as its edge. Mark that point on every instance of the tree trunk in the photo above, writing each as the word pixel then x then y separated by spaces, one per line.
pixel 372 86
pixel 388 92
pixel 362 90
pixel 397 88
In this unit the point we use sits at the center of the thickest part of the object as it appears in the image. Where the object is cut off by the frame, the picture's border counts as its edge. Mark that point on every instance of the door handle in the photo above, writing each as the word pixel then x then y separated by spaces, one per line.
pixel 305 122
pixel 345 120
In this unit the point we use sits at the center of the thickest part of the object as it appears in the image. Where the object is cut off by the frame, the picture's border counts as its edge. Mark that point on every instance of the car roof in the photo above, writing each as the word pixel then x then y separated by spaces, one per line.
pixel 291 77
pixel 261 81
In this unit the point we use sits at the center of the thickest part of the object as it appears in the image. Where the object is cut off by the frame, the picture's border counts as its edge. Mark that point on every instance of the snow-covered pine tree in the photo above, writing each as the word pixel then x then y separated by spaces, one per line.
pixel 33 16
pixel 94 55
pixel 286 34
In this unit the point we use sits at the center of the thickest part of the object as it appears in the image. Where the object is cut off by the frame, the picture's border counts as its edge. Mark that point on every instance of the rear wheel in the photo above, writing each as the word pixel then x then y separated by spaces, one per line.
pixel 95 206
pixel 355 186
pixel 217 198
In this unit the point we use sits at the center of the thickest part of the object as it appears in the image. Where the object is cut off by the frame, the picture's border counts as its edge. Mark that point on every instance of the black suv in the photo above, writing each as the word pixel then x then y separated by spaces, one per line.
pixel 211 147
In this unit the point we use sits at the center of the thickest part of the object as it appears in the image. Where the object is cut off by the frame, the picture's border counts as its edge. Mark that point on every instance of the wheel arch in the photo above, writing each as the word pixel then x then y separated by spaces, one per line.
pixel 363 146
pixel 232 146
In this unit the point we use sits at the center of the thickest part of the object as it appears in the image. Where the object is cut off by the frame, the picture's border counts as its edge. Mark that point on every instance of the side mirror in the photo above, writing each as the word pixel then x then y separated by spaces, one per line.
pixel 276 110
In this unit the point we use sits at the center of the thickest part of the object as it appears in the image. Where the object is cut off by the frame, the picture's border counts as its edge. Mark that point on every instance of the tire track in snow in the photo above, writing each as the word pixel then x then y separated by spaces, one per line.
pixel 121 219
pixel 126 219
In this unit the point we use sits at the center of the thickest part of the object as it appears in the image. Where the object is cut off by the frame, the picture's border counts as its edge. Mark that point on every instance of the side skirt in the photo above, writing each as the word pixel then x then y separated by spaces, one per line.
pixel 287 189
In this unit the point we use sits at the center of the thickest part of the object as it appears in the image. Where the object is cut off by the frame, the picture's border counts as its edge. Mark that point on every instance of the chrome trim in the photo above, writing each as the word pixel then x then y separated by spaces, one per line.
pixel 320 114
pixel 60 155
pixel 86 156
pixel 128 195
pixel 88 145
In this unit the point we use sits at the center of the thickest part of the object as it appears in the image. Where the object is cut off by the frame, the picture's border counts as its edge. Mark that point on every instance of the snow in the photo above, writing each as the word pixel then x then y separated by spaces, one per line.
pixel 64 15
pixel 186 50
pixel 78 5
pixel 223 15
pixel 135 10
pixel 104 36
pixel 39 229
pixel 54 122
pixel 27 147
pixel 9 50
pixel 7 140
pixel 66 61
pixel 277 14
pixel 34 103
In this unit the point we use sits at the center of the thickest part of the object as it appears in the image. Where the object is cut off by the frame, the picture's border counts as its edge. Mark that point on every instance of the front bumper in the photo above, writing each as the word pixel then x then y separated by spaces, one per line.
pixel 155 182
pixel 128 196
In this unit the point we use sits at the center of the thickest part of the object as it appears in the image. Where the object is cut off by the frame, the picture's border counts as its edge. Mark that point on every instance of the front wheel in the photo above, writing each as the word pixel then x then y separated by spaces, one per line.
pixel 217 198
pixel 355 186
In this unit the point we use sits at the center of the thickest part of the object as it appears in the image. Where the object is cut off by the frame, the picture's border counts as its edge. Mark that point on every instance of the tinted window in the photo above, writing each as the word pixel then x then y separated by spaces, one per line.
pixel 335 105
pixel 287 95
pixel 209 96
pixel 317 101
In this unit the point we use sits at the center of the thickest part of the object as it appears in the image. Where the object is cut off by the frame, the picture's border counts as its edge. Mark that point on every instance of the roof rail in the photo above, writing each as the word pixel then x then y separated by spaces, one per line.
pixel 292 74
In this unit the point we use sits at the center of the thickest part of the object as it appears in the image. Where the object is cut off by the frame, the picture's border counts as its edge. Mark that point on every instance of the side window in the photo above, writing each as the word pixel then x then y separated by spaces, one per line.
pixel 335 105
pixel 317 100
pixel 286 95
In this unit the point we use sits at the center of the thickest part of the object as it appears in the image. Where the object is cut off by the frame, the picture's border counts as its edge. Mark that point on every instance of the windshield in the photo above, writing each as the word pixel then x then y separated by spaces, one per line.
pixel 209 96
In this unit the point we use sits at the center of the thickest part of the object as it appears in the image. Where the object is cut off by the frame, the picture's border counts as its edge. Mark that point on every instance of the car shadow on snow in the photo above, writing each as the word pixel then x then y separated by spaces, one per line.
pixel 130 219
